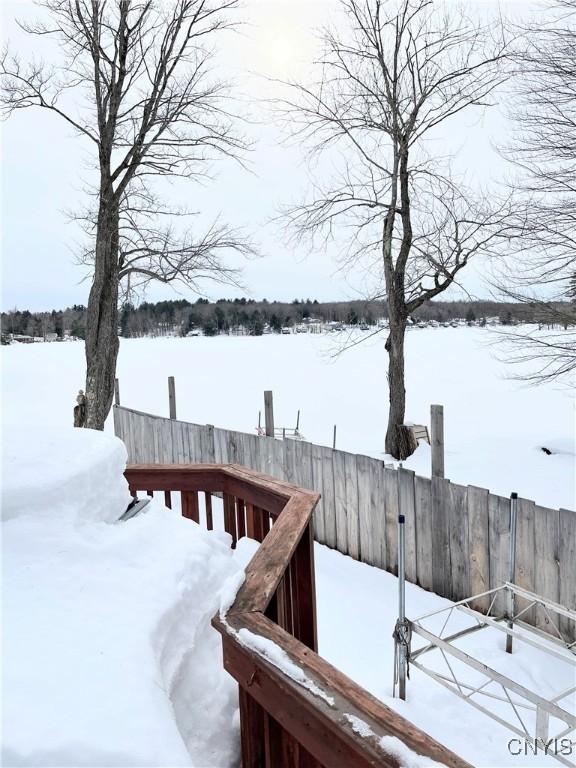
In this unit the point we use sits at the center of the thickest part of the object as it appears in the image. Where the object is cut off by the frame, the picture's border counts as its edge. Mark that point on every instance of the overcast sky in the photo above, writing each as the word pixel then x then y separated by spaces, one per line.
pixel 44 168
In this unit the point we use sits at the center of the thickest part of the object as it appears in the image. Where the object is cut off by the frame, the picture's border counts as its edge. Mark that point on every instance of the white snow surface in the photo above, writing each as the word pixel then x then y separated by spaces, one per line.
pixel 108 655
pixel 495 427
pixel 279 658
pixel 73 474
pixel 392 745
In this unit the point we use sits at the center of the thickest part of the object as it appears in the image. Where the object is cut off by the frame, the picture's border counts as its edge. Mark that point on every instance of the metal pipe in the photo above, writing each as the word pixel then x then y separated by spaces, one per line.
pixel 401 569
pixel 512 566
pixel 401 628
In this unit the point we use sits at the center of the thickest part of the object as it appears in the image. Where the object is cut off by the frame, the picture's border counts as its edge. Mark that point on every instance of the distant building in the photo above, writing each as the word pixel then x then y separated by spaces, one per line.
pixel 22 339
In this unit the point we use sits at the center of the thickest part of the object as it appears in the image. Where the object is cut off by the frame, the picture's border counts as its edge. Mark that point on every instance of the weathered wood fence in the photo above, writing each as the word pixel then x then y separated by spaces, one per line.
pixel 457 537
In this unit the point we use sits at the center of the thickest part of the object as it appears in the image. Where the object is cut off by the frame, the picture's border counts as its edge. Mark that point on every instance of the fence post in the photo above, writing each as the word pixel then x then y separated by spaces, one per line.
pixel 116 392
pixel 172 397
pixel 269 413
pixel 437 439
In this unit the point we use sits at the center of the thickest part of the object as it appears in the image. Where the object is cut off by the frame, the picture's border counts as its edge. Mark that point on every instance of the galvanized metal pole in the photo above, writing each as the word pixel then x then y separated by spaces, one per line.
pixel 512 565
pixel 334 438
pixel 401 607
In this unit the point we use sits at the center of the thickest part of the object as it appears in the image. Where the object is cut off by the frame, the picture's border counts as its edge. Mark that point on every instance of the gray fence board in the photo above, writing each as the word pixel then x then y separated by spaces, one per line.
pixel 378 507
pixel 458 541
pixel 339 468
pixel 220 446
pixel 546 560
pixel 289 453
pixel 304 465
pixel 478 542
pixel 328 492
pixel 366 512
pixel 567 561
pixel 423 503
pixel 317 480
pixel 499 545
pixel 441 555
pixel 407 506
pixel 525 551
pixel 352 522
pixel 391 511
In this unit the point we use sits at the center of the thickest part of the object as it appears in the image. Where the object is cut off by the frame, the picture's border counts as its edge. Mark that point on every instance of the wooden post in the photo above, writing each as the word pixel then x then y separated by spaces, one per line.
pixel 305 590
pixel 269 413
pixel 437 439
pixel 116 392
pixel 172 397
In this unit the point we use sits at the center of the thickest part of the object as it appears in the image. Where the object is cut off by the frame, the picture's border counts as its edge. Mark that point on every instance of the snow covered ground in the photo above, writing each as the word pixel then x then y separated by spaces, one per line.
pixel 108 655
pixel 494 427
pixel 357 610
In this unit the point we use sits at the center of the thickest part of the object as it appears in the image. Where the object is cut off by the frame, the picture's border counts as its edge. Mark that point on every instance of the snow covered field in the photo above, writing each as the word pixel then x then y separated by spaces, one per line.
pixel 494 427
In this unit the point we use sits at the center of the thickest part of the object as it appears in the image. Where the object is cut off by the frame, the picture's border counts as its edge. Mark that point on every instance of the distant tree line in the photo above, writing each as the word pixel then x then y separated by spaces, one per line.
pixel 41 324
pixel 225 315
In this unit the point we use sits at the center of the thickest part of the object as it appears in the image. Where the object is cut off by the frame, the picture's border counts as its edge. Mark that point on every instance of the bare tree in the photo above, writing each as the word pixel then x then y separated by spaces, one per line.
pixel 156 243
pixel 135 83
pixel 389 84
pixel 541 268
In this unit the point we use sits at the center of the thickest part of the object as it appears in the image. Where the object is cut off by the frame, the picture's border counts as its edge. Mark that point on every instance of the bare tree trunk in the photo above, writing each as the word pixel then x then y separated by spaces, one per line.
pixel 149 105
pixel 396 445
pixel 102 316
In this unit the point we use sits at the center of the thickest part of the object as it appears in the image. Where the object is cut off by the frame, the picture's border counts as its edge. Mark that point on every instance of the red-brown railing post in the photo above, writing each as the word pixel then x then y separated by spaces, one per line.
pixel 208 505
pixel 190 508
pixel 230 517
pixel 304 583
pixel 240 518
pixel 273 743
pixel 251 730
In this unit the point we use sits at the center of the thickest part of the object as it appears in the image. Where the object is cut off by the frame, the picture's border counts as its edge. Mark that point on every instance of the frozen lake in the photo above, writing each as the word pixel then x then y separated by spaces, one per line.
pixel 495 427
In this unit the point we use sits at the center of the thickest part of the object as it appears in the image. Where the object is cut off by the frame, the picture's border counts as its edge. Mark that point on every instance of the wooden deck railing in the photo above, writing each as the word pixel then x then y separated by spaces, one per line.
pixel 296 709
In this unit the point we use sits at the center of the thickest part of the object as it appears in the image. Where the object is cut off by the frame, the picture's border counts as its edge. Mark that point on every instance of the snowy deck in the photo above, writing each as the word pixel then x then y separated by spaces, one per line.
pixel 109 657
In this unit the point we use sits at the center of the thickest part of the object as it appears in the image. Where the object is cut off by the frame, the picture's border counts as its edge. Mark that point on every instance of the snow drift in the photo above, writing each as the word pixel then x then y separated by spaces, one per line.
pixel 109 658
pixel 72 474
